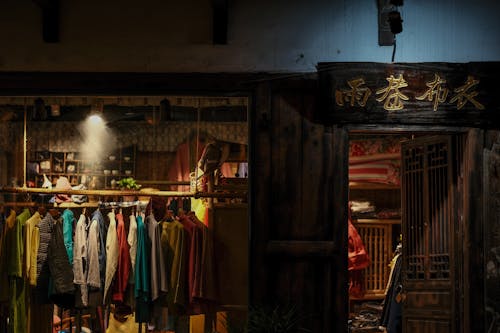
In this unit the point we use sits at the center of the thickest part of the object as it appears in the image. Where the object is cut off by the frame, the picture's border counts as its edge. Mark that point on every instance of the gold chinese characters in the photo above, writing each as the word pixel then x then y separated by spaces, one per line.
pixel 394 94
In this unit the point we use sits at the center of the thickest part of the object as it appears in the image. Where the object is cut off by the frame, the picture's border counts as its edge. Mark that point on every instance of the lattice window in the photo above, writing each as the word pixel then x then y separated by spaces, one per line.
pixel 377 238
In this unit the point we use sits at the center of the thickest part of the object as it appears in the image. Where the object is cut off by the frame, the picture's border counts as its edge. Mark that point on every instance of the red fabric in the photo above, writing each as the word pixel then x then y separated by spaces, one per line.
pixel 200 270
pixel 357 260
pixel 180 168
pixel 190 228
pixel 357 256
pixel 124 265
pixel 375 160
pixel 356 285
pixel 373 172
pixel 204 284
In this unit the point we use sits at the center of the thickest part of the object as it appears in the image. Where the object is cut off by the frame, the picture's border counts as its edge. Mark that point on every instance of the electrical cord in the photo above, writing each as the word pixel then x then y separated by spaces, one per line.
pixel 394 49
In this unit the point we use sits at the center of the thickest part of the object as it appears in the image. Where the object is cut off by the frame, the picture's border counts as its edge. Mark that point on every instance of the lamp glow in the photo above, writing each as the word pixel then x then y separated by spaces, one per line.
pixel 95 119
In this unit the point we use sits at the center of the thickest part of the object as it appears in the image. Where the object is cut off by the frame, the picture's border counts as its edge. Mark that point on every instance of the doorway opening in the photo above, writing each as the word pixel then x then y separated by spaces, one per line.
pixel 405 204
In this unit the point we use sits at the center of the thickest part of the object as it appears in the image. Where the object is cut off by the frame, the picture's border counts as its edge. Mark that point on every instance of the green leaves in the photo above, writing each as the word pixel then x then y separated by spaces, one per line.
pixel 128 183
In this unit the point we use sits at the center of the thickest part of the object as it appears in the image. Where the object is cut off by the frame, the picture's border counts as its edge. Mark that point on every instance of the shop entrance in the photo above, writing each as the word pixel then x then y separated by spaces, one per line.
pixel 405 231
pixel 106 166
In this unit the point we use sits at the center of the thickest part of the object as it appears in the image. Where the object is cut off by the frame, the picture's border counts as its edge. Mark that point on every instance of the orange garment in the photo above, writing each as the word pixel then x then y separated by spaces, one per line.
pixel 124 264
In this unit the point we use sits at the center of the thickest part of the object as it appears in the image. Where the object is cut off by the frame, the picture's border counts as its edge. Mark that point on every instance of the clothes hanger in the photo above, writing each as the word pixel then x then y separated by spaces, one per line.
pixel 42 210
pixel 55 213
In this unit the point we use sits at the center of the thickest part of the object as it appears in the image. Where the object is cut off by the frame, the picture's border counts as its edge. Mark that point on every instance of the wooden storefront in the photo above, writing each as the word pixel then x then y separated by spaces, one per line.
pixel 300 190
pixel 299 130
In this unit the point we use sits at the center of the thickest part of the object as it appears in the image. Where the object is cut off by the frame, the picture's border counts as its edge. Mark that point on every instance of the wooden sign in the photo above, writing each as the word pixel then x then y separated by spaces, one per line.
pixel 417 93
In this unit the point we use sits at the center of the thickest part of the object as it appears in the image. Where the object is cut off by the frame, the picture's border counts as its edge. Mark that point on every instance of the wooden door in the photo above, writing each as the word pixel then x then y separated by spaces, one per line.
pixel 298 257
pixel 429 220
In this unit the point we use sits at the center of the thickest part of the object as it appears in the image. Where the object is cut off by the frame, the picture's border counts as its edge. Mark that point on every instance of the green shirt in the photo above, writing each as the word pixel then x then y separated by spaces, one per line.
pixel 17 308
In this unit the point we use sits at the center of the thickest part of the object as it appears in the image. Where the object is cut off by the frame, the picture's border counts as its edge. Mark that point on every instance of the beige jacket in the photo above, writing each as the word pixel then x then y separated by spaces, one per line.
pixel 111 253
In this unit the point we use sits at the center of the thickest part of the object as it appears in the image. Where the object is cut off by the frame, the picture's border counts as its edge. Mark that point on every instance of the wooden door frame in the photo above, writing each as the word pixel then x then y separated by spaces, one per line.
pixel 468 297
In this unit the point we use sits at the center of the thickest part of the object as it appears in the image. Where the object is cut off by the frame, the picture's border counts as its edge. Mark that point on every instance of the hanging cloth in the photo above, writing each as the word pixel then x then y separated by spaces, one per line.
pixel 123 267
pixel 68 221
pixel 80 258
pixel 111 254
pixel 357 255
pixel 142 288
pixel 41 292
pixel 62 291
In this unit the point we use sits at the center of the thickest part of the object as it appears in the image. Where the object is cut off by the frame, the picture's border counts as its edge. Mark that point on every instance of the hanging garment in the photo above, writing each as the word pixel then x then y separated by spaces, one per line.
pixel 111 253
pixel 123 268
pixel 392 310
pixel 132 242
pixel 176 260
pixel 17 282
pixel 97 216
pixel 41 292
pixel 204 285
pixel 193 244
pixel 357 256
pixel 159 283
pixel 142 286
pixel 68 221
pixel 159 278
pixel 8 228
pixel 32 242
pixel 80 258
pixel 62 291
pixel 93 275
pixel 357 261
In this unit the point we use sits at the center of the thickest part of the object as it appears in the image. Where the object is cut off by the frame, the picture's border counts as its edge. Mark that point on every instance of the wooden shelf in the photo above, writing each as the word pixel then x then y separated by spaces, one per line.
pixel 375 220
pixel 71 165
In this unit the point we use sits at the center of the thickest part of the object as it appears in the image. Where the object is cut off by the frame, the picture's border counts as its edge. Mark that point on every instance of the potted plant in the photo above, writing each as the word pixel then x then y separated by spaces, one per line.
pixel 284 318
pixel 128 184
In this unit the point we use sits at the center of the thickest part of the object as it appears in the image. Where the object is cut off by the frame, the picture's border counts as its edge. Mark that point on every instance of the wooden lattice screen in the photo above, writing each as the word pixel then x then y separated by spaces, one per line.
pixel 427 210
pixel 377 238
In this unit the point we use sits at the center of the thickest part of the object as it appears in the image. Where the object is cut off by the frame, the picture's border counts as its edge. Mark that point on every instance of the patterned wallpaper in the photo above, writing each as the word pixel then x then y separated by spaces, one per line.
pixel 5 136
pixel 66 136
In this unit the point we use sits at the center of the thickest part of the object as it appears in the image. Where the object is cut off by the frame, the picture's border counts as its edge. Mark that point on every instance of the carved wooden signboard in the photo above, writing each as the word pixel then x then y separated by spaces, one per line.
pixel 427 93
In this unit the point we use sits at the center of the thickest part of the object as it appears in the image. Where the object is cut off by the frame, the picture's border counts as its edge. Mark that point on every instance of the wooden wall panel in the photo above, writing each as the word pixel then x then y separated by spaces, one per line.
pixel 153 165
pixel 260 192
pixel 297 234
pixel 472 246
pixel 286 164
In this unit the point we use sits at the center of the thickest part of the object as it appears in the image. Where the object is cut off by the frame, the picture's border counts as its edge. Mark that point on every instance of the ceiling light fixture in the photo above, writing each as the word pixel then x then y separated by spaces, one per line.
pixel 96 112
pixel 55 110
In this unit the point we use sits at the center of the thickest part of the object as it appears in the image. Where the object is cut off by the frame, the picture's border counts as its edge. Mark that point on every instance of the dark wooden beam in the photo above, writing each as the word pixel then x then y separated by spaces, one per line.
pixel 220 13
pixel 50 20
pixel 40 83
